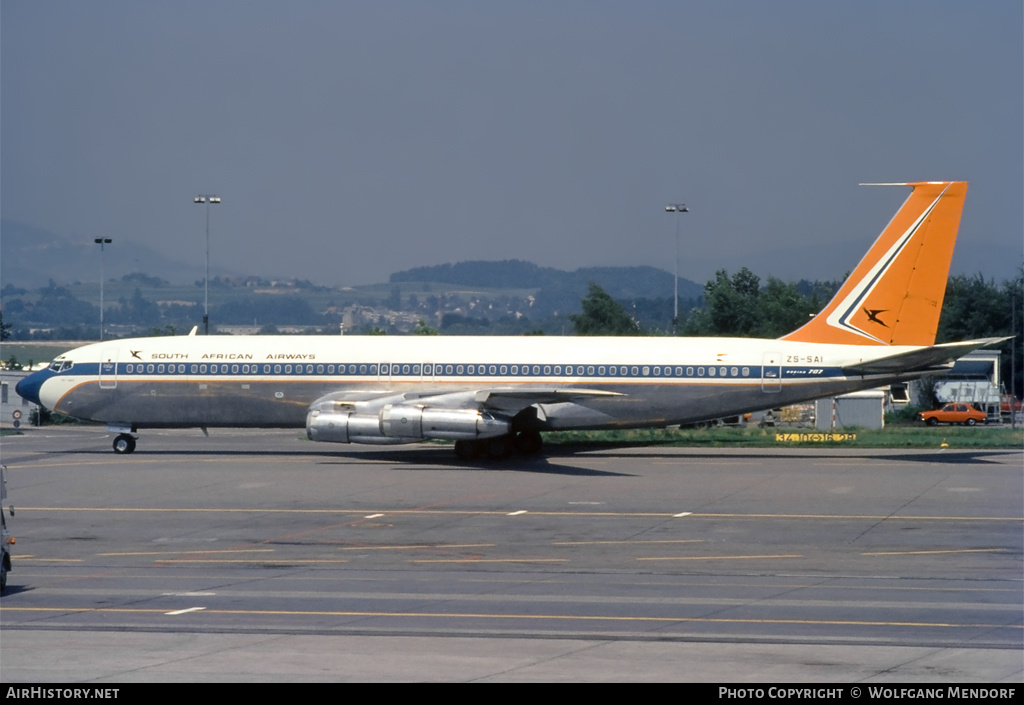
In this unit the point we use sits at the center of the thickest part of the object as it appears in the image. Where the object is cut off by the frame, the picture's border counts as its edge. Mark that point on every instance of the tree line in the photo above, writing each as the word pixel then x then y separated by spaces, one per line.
pixel 741 306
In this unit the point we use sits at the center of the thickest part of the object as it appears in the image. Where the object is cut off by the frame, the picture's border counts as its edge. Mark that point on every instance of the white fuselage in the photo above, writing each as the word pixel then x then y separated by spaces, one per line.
pixel 270 381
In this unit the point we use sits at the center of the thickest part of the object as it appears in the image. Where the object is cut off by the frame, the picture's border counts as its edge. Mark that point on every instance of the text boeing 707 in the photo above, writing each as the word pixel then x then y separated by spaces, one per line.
pixel 495 394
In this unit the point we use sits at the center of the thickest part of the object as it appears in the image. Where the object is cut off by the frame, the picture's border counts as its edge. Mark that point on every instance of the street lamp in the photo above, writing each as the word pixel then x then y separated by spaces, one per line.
pixel 207 199
pixel 676 208
pixel 101 241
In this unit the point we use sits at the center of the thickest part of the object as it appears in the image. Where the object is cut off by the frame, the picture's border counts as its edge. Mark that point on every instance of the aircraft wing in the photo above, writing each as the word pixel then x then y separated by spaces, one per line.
pixel 505 401
pixel 513 401
pixel 936 357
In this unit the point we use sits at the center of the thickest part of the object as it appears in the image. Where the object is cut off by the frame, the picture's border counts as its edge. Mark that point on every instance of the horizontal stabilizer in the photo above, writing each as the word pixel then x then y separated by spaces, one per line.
pixel 936 357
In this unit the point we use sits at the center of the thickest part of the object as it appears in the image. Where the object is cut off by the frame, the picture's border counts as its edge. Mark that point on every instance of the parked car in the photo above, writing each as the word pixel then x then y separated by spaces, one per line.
pixel 954 413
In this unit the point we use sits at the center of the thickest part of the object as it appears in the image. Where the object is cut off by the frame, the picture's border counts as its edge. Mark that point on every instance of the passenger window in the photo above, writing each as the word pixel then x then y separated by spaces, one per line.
pixel 234 369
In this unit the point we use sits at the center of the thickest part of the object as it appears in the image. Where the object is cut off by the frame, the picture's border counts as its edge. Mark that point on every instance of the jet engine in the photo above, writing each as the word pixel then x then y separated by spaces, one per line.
pixel 400 423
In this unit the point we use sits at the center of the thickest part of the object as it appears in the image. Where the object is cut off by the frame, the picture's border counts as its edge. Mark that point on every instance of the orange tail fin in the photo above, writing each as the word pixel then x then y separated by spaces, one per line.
pixel 894 296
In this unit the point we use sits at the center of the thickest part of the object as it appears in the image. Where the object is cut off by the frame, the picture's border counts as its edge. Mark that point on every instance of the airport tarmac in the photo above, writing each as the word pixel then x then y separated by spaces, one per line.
pixel 260 556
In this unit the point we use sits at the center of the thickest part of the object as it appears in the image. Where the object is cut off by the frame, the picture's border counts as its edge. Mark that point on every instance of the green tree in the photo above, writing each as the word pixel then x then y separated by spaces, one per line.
pixel 978 308
pixel 603 315
pixel 5 328
pixel 423 329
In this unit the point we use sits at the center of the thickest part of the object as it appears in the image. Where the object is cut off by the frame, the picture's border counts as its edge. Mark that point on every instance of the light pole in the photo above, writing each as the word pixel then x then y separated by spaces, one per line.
pixel 207 198
pixel 101 241
pixel 676 208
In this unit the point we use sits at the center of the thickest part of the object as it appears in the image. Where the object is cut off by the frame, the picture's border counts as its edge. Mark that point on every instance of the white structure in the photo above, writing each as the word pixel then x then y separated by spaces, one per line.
pixel 858 410
pixel 973 380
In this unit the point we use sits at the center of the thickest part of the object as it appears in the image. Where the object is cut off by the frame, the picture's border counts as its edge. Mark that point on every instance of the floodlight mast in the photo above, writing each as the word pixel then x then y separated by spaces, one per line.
pixel 101 241
pixel 676 208
pixel 206 198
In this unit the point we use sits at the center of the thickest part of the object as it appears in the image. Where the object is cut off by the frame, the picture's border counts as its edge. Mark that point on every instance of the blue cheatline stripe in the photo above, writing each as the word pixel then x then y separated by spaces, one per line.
pixel 136 371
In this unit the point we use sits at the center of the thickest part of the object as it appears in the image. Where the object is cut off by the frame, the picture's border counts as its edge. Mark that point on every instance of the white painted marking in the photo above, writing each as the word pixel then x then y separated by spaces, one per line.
pixel 681 514
pixel 586 502
pixel 190 609
pixel 188 594
pixel 515 514
pixel 373 516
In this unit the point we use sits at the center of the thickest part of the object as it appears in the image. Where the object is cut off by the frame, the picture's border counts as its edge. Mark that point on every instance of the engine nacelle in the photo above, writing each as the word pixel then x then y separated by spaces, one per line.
pixel 400 423
pixel 407 421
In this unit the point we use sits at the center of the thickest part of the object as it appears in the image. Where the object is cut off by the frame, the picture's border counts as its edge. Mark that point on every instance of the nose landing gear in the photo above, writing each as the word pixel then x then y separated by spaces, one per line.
pixel 124 444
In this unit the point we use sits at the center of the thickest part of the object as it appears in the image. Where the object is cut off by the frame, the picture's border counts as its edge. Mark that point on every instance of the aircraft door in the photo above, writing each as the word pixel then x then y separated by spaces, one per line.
pixel 771 372
pixel 108 369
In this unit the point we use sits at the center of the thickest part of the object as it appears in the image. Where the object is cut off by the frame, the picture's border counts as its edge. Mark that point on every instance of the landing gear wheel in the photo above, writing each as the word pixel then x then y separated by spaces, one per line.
pixel 529 442
pixel 499 447
pixel 124 444
pixel 467 450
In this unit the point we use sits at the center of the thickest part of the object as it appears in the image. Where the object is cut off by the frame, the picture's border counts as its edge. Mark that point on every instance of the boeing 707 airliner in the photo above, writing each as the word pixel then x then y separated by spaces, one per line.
pixel 492 395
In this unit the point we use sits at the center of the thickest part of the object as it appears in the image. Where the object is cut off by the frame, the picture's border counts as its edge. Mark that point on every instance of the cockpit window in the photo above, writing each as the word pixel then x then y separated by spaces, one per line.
pixel 61 365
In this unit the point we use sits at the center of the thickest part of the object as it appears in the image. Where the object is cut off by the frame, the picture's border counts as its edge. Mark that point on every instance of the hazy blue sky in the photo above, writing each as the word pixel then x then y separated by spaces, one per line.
pixel 352 139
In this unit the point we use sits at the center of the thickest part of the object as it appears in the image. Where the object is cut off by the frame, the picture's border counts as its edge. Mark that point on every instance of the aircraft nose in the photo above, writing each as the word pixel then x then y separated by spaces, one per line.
pixel 28 388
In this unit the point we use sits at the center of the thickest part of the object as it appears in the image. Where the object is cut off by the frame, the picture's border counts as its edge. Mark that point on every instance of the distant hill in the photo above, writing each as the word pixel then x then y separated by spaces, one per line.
pixel 30 257
pixel 558 290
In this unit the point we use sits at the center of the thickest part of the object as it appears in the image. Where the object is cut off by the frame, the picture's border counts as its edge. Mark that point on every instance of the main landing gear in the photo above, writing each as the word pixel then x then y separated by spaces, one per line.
pixel 522 442
pixel 124 444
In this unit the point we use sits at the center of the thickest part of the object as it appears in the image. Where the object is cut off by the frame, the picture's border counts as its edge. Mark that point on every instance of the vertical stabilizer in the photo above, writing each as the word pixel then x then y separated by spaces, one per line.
pixel 894 296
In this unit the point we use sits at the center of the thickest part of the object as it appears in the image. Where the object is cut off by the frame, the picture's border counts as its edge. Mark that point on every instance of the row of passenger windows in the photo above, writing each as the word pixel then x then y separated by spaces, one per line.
pixel 417 370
